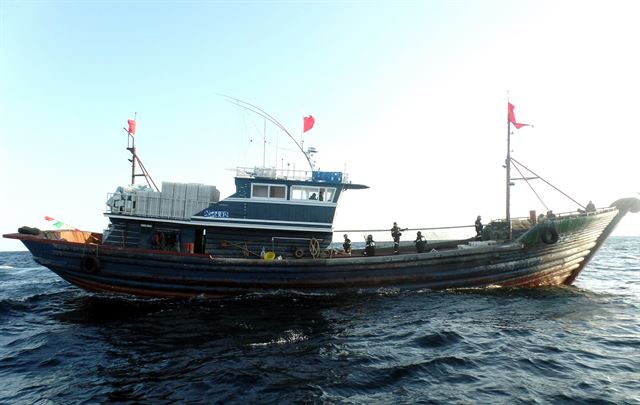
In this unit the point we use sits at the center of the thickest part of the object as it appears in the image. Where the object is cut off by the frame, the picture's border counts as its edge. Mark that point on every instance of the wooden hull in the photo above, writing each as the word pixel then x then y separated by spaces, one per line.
pixel 530 261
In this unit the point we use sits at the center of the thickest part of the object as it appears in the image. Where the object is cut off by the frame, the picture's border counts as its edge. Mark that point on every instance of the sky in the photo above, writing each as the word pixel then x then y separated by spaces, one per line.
pixel 409 97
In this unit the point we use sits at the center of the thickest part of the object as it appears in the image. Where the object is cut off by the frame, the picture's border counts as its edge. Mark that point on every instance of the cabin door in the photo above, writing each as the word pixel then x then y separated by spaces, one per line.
pixel 201 240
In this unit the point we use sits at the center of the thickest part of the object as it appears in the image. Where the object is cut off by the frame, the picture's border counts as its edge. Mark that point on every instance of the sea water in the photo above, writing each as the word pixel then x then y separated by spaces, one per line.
pixel 578 344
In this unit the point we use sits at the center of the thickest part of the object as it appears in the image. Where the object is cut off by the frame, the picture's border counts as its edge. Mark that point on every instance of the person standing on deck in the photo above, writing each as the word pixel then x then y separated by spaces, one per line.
pixel 479 226
pixel 396 234
pixel 421 242
pixel 591 207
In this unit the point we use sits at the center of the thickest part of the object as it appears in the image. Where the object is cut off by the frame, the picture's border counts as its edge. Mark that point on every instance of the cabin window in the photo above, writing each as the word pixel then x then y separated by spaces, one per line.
pixel 325 194
pixel 166 240
pixel 260 191
pixel 277 192
pixel 268 191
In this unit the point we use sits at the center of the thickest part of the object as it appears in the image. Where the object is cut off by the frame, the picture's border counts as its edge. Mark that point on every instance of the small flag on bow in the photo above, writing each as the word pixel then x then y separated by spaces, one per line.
pixel 58 224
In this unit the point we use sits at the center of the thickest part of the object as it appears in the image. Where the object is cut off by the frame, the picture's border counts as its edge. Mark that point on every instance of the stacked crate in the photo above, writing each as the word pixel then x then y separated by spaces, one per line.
pixel 153 204
pixel 141 202
pixel 175 200
pixel 178 203
pixel 166 199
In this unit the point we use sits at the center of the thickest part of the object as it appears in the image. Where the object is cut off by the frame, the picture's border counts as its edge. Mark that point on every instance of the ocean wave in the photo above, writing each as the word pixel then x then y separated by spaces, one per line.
pixel 438 339
pixel 564 344
pixel 290 336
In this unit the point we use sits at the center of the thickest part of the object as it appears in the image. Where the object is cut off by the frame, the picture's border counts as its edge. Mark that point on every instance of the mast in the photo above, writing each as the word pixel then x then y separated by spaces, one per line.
pixel 131 147
pixel 508 166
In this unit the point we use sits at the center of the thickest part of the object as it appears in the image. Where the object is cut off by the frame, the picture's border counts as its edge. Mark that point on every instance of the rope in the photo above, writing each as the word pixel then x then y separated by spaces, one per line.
pixel 408 229
pixel 554 187
pixel 314 248
pixel 531 187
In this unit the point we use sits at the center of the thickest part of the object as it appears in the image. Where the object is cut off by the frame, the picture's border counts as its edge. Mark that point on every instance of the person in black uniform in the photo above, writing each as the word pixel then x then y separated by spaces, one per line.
pixel 396 234
pixel 370 247
pixel 347 244
pixel 421 242
pixel 479 226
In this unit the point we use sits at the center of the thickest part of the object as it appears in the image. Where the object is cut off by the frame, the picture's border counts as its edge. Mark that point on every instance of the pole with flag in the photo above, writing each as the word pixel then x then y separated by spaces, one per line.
pixel 131 145
pixel 511 119
pixel 135 159
pixel 307 124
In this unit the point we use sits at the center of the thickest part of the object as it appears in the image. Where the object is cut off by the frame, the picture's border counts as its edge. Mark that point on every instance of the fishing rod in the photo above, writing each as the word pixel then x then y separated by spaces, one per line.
pixel 259 111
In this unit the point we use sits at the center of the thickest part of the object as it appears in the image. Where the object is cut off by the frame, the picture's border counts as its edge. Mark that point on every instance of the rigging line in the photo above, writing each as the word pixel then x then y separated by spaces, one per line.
pixel 250 119
pixel 256 110
pixel 259 112
pixel 556 188
pixel 408 229
pixel 271 119
pixel 146 173
pixel 530 186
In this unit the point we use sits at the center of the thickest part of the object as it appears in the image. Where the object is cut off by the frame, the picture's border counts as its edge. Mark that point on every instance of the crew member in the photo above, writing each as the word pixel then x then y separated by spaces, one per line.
pixel 479 226
pixel 370 247
pixel 591 207
pixel 396 234
pixel 421 242
pixel 347 244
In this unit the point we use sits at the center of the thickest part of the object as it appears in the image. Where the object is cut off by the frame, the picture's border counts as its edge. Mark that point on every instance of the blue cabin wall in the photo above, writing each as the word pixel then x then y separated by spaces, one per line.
pixel 240 224
pixel 275 210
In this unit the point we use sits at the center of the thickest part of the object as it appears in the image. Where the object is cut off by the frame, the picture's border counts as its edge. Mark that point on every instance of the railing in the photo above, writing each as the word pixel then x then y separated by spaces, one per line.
pixel 451 232
pixel 430 233
pixel 568 214
pixel 273 173
pixel 280 174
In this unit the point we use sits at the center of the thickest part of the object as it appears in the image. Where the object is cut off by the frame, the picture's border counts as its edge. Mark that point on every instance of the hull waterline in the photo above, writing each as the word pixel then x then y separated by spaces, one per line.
pixel 529 261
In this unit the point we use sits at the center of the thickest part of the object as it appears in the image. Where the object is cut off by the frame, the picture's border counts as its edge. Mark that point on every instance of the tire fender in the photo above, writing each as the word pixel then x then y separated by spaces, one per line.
pixel 90 264
pixel 550 234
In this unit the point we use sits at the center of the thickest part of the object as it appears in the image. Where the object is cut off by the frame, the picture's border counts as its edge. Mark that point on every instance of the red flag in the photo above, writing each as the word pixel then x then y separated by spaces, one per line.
pixel 132 127
pixel 512 117
pixel 48 218
pixel 307 123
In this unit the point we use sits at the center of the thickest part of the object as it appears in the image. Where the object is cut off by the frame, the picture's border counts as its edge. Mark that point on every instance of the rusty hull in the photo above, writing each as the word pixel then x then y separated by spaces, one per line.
pixel 528 261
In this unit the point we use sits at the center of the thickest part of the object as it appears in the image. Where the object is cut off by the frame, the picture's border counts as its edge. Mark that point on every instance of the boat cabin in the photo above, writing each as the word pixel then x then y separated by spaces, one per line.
pixel 281 211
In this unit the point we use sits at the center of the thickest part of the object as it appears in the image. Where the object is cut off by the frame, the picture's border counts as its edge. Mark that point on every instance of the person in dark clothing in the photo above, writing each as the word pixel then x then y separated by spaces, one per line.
pixel 347 244
pixel 591 207
pixel 421 242
pixel 396 234
pixel 370 247
pixel 479 226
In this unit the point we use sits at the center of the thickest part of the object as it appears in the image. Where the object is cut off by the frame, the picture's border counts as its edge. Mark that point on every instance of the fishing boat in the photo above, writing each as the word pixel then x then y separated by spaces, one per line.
pixel 274 233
